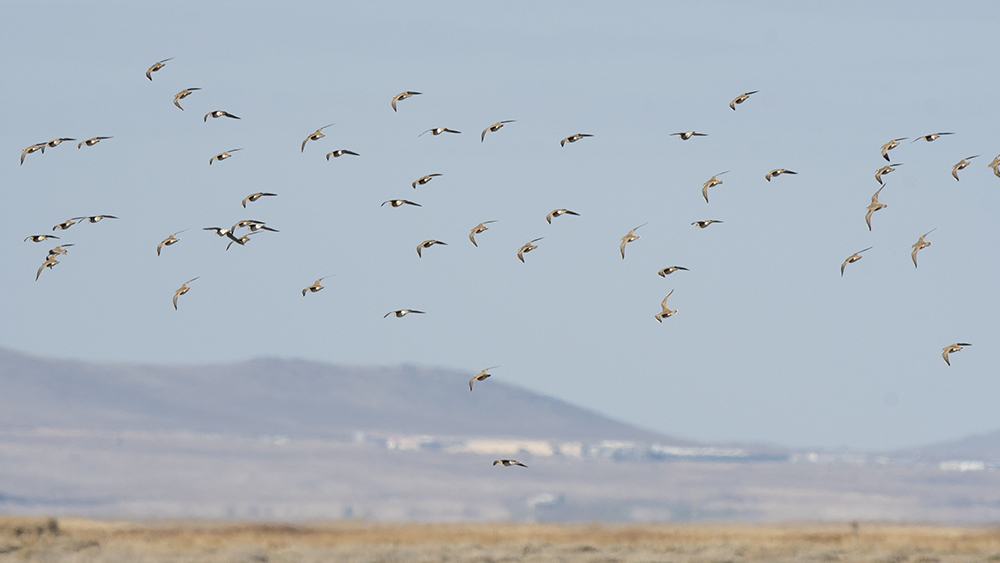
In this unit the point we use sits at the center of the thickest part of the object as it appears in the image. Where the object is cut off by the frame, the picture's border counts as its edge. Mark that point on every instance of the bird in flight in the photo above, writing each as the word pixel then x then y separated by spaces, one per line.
pixel 711 183
pixel 49 263
pixel 316 286
pixel 557 212
pixel 480 377
pixel 740 99
pixel 665 311
pixel 631 236
pixel 399 202
pixel 508 462
pixel 703 224
pixel 402 96
pixel 168 241
pixel 885 170
pixel 218 113
pixel 66 224
pixel 182 290
pixel 223 156
pixel 92 141
pixel 183 94
pixel 960 165
pixel 480 228
pixel 777 172
pixel 669 270
pixel 315 136
pixel 400 313
pixel 427 244
pixel 956 347
pixel 852 259
pixel 874 206
pixel 31 149
pixel 891 145
pixel 340 152
pixel 96 218
pixel 57 251
pixel 254 197
pixel 39 238
pixel 156 66
pixel 931 137
pixel 995 165
pixel 920 245
pixel 527 247
pixel 423 180
pixel 55 142
pixel 685 135
pixel 573 138
pixel 437 131
pixel 494 128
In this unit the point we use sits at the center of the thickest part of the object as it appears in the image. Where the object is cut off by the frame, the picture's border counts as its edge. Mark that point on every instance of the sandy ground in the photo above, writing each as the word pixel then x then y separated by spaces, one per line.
pixel 80 540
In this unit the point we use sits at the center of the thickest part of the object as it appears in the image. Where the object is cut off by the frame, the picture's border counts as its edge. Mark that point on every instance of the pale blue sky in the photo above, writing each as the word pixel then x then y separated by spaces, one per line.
pixel 770 343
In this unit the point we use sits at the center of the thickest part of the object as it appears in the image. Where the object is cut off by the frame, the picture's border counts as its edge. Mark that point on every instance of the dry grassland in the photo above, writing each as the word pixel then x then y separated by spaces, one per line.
pixel 79 540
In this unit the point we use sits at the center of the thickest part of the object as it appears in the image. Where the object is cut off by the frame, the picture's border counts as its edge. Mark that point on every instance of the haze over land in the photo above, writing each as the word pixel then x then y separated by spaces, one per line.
pixel 281 439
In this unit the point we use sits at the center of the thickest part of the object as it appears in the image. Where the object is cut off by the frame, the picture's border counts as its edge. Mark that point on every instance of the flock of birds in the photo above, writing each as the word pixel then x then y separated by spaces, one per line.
pixel 240 232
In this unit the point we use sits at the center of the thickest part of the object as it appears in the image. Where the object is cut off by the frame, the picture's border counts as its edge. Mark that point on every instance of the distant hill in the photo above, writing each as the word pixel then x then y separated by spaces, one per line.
pixel 983 447
pixel 287 397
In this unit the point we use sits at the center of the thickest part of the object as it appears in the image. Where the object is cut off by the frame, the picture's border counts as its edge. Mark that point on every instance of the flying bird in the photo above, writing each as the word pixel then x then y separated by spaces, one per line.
pixel 55 142
pixel 891 145
pixel 685 135
pixel 244 223
pixel 995 165
pixel 66 224
pixel 238 240
pixel 399 202
pixel 254 197
pixel 427 244
pixel 665 311
pixel 182 290
pixel 931 137
pixel 183 94
pixel 219 231
pixel 920 245
pixel 437 131
pixel 92 141
pixel 669 270
pixel 852 259
pixel 573 138
pixel 494 128
pixel 631 236
pixel 31 149
pixel 222 155
pixel 218 113
pixel 479 229
pixel 558 212
pixel 315 136
pixel 156 66
pixel 508 462
pixel 57 251
pixel 711 183
pixel 97 218
pixel 874 206
pixel 777 172
pixel 316 286
pixel 168 241
pixel 527 247
pixel 340 152
pixel 49 263
pixel 254 227
pixel 400 313
pixel 480 377
pixel 740 99
pixel 703 224
pixel 423 180
pixel 39 238
pixel 885 170
pixel 960 165
pixel 402 96
pixel 956 347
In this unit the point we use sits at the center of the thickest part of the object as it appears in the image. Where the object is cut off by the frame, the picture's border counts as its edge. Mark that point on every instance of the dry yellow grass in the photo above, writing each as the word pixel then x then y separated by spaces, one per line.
pixel 45 539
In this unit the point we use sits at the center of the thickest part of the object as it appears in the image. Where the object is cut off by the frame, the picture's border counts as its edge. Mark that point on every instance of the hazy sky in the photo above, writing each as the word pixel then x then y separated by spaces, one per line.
pixel 770 343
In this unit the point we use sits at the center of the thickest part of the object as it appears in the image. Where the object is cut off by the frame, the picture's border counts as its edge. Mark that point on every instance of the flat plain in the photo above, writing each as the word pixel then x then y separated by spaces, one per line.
pixel 46 539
